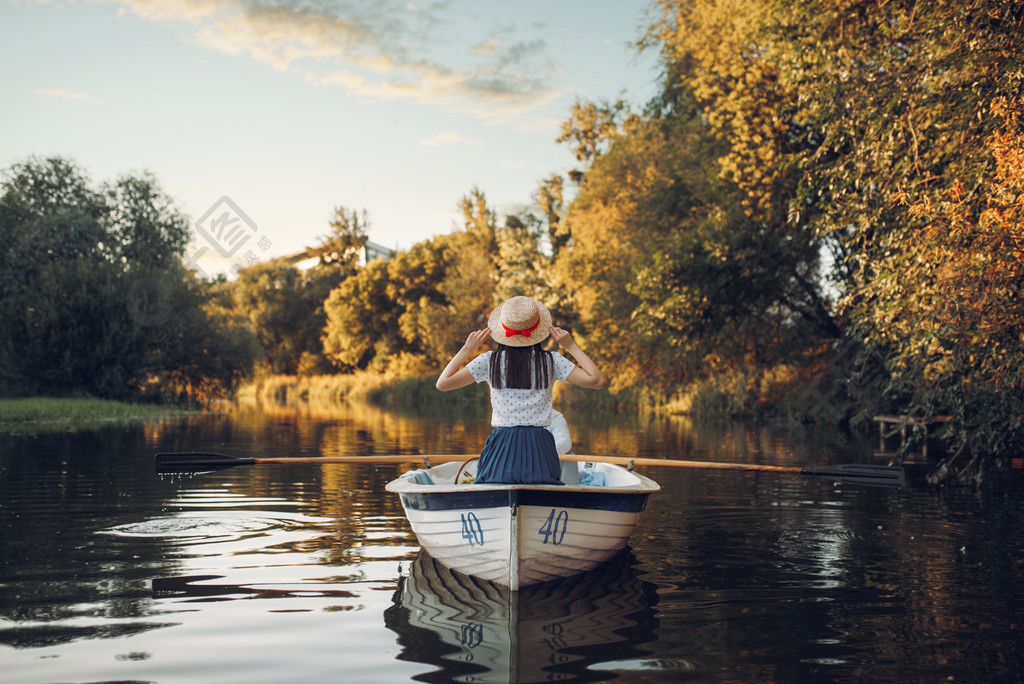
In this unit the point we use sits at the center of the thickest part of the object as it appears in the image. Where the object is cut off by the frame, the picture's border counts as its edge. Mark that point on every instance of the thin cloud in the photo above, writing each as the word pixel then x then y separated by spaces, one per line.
pixel 445 139
pixel 550 124
pixel 374 50
pixel 66 94
pixel 487 47
pixel 506 163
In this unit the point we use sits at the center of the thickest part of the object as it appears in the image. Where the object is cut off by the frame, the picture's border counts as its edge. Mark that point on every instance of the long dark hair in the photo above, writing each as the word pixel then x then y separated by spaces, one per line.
pixel 525 367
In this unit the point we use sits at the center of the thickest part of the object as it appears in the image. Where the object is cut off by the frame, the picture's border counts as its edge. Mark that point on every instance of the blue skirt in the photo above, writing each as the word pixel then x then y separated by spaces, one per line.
pixel 519 455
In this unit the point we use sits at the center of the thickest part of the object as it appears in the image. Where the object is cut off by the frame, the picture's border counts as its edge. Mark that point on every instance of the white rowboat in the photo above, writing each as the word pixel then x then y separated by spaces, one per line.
pixel 522 535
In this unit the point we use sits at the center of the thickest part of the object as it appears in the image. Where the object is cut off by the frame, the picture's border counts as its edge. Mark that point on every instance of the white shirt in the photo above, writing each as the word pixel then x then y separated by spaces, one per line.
pixel 511 407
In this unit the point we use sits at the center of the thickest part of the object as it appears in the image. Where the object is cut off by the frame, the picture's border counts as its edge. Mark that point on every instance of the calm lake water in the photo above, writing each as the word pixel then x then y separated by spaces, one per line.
pixel 110 573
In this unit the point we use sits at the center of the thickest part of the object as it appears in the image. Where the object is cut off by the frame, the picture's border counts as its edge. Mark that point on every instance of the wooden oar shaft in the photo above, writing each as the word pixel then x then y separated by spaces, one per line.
pixel 411 458
pixel 444 458
pixel 624 460
pixel 200 462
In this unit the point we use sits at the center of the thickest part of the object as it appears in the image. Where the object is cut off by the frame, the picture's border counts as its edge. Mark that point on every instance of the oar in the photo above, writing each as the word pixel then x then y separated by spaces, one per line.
pixel 199 462
pixel 850 473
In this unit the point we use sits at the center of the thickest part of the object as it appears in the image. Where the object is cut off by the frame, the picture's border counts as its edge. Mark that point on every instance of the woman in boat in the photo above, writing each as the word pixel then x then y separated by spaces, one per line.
pixel 521 374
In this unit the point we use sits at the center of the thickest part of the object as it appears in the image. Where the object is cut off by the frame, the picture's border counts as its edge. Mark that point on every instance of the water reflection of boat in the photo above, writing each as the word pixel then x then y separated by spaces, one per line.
pixel 520 535
pixel 479 631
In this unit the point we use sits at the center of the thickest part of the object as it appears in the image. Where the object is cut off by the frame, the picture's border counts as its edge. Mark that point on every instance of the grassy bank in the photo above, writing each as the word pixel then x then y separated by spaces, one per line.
pixel 60 413
pixel 415 392
pixel 375 388
pixel 781 390
pixel 294 388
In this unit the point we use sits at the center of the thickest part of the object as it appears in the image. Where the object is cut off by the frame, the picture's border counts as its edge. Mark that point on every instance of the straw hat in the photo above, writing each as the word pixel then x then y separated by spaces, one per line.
pixel 520 322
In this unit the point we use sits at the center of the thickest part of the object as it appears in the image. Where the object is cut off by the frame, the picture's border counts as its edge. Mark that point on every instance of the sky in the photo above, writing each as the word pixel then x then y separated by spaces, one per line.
pixel 260 117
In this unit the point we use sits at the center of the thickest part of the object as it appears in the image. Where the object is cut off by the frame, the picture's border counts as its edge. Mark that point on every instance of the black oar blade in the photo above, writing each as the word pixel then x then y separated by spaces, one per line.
pixel 197 462
pixel 862 474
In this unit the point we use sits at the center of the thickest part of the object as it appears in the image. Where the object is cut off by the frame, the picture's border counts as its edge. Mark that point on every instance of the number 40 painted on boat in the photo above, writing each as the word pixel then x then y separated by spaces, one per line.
pixel 472 531
pixel 554 527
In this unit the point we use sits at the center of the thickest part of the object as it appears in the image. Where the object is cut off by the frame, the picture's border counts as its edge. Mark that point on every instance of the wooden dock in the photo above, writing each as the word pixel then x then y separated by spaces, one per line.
pixel 900 424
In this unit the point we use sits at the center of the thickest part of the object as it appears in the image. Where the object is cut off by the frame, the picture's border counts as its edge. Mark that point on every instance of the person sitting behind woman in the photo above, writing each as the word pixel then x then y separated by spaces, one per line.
pixel 521 375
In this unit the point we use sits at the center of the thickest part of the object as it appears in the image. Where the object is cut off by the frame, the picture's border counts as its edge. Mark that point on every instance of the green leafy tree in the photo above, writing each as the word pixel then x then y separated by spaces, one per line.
pixel 285 306
pixel 421 303
pixel 550 198
pixel 339 254
pixel 721 65
pixel 341 249
pixel 270 296
pixel 525 267
pixel 362 318
pixel 521 268
pixel 91 284
pixel 204 350
pixel 591 127
pixel 478 218
pixel 680 246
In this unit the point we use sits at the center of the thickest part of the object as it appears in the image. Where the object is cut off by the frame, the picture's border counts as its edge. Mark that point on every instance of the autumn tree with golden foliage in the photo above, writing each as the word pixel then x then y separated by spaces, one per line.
pixel 790 186
pixel 947 308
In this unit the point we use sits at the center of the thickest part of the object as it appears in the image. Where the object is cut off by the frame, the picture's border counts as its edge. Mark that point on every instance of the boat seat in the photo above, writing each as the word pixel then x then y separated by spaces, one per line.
pixel 570 474
pixel 419 477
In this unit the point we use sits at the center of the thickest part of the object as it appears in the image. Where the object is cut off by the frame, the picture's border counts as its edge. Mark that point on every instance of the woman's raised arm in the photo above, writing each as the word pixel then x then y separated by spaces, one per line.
pixel 454 374
pixel 586 373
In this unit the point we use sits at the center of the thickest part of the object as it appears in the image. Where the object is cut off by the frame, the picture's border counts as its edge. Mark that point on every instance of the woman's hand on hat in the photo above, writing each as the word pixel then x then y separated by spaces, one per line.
pixel 561 337
pixel 476 340
pixel 586 373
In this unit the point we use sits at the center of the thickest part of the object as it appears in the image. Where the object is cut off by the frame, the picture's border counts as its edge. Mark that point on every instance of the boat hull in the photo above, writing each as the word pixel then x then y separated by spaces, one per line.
pixel 522 535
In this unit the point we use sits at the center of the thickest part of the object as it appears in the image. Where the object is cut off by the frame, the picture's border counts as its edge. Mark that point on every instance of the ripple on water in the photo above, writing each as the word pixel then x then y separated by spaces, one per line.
pixel 194 525
pixel 224 498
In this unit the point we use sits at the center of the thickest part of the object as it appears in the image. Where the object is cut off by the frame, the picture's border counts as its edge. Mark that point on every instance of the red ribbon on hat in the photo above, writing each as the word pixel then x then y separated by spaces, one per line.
pixel 510 332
